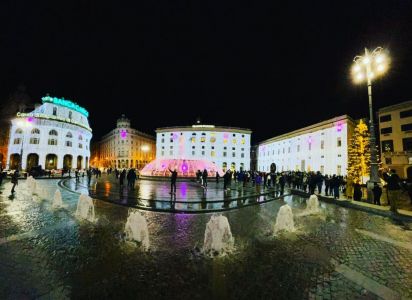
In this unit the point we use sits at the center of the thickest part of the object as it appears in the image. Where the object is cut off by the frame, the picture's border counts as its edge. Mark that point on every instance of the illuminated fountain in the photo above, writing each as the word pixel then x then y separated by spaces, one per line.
pixel 31 184
pixel 312 205
pixel 284 220
pixel 136 229
pixel 218 236
pixel 85 208
pixel 184 167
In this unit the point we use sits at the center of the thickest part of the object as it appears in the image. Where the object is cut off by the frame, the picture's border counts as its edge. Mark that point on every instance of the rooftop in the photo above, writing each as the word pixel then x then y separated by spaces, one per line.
pixel 402 105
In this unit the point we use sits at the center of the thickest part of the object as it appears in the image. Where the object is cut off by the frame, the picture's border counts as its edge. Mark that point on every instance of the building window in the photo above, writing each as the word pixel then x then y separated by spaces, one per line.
pixel 243 141
pixel 322 144
pixel 407 144
pixel 386 130
pixel 224 154
pixel 163 153
pixel 68 143
pixel 405 113
pixel 309 145
pixel 55 111
pixel 234 141
pixel 339 142
pixel 52 142
pixel 34 141
pixel 339 155
pixel 388 160
pixel 80 138
pixel 233 154
pixel 17 141
pixel 163 140
pixel 212 154
pixel 385 118
pixel 18 131
pixel 171 152
pixel 193 139
pixel 288 149
pixel 213 139
pixel 35 131
pixel 387 146
pixel 202 139
pixel 297 149
pixel 193 152
pixel 242 155
pixel 171 147
pixel 80 146
pixel 203 153
pixel 323 156
pixel 70 114
pixel 406 127
pixel 53 132
pixel 339 170
pixel 193 147
pixel 224 141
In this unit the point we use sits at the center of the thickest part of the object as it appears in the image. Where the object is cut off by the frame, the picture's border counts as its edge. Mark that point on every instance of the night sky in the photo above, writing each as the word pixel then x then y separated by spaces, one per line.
pixel 272 66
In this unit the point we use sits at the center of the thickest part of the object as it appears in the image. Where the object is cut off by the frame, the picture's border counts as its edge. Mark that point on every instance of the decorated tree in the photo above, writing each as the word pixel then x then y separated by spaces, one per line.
pixel 359 153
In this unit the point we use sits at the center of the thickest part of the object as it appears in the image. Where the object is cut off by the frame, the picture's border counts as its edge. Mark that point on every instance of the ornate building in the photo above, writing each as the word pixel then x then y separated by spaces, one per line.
pixel 124 147
pixel 55 135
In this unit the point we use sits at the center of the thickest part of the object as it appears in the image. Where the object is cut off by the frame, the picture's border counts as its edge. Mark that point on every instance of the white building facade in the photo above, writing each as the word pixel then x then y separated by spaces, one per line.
pixel 227 147
pixel 55 135
pixel 320 147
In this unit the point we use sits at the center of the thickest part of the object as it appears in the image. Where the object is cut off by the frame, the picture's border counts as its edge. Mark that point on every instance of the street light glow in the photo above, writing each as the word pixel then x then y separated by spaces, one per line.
pixel 380 58
pixel 370 66
pixel 366 60
pixel 356 68
pixel 145 148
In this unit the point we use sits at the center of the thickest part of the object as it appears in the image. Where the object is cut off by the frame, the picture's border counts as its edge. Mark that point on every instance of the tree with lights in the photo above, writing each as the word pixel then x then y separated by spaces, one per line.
pixel 359 153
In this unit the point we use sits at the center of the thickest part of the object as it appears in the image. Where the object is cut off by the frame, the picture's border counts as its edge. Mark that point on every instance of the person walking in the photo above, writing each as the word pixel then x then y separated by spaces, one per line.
pixel 14 180
pixel 394 189
pixel 89 176
pixel 131 179
pixel 122 177
pixel 173 179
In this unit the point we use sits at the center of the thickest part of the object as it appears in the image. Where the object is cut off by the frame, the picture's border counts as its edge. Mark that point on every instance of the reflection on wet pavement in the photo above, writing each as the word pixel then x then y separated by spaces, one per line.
pixel 339 253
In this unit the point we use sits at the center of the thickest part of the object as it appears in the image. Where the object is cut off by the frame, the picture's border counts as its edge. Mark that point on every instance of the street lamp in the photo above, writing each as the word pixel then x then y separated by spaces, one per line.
pixel 365 69
pixel 25 123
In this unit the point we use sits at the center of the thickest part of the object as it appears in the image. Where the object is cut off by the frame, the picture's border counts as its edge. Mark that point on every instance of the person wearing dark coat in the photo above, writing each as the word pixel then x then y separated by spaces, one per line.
pixel 217 177
pixel 173 179
pixel 131 178
pixel 89 176
pixel 377 192
pixel 122 177
pixel 357 192
pixel 14 180
pixel 394 189
pixel 204 178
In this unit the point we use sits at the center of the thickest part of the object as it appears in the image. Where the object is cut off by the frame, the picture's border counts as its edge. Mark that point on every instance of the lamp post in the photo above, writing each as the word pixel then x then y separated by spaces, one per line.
pixel 365 69
pixel 24 124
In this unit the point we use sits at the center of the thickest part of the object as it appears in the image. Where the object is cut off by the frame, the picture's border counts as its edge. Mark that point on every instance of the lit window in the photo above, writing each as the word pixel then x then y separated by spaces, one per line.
pixel 213 139
pixel 234 141
pixel 202 139
pixel 243 141
pixel 212 154
pixel 339 142
pixel 34 141
pixel 193 139
pixel 17 141
pixel 52 142
pixel 224 141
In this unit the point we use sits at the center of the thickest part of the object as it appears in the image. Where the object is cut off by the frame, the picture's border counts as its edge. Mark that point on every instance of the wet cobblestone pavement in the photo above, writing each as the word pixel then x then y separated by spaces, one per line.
pixel 338 254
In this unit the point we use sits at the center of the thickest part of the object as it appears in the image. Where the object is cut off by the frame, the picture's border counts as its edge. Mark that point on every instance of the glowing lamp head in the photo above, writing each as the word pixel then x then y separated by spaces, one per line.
pixel 356 68
pixel 381 68
pixel 380 58
pixel 359 77
pixel 366 60
pixel 145 148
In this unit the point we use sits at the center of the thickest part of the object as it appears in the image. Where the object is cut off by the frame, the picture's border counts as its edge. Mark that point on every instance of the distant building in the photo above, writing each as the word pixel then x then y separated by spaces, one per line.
pixel 226 147
pixel 124 147
pixel 55 135
pixel 4 143
pixel 395 132
pixel 320 147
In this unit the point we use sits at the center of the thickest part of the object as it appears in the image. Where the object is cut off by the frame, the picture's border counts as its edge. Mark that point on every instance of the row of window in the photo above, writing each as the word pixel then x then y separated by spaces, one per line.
pixel 51 142
pixel 404 127
pixel 322 146
pixel 51 132
pixel 212 140
pixel 212 153
pixel 203 134
pixel 402 114
pixel 387 146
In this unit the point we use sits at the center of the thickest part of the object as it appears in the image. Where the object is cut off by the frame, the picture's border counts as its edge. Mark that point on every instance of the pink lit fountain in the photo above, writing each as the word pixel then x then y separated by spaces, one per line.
pixel 184 167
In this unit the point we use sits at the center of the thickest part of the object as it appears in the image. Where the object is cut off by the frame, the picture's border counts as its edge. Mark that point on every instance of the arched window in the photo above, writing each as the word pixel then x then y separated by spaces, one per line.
pixel 80 146
pixel 35 131
pixel 70 114
pixel 68 143
pixel 52 132
pixel 80 138
pixel 69 135
pixel 18 131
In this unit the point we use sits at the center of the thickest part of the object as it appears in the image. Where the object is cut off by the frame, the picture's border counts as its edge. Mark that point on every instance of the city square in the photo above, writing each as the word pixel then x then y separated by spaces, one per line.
pixel 206 151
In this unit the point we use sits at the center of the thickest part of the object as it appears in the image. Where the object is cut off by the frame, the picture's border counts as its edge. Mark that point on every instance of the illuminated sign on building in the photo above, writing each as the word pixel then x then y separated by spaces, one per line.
pixel 30 117
pixel 203 126
pixel 66 103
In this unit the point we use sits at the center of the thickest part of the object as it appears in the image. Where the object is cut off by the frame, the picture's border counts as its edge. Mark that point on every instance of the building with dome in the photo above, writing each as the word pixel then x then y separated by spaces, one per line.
pixel 124 147
pixel 55 135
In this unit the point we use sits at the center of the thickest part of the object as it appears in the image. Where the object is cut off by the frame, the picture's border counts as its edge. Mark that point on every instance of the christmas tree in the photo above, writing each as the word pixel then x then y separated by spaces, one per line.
pixel 359 153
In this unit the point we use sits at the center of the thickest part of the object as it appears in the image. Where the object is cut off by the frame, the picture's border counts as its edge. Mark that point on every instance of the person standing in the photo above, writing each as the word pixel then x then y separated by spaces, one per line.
pixel 377 192
pixel 14 180
pixel 394 188
pixel 217 177
pixel 204 178
pixel 173 179
pixel 282 184
pixel 89 176
pixel 131 179
pixel 122 177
